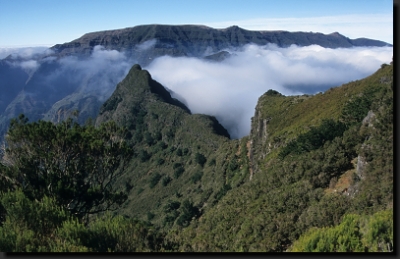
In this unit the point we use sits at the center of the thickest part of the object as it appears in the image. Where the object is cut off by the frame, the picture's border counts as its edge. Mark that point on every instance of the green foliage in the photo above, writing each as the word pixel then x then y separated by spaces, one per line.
pixel 328 211
pixel 43 226
pixel 178 172
pixel 108 234
pixel 271 92
pixel 346 237
pixel 28 224
pixel 148 139
pixel 379 232
pixel 166 180
pixel 212 162
pixel 290 195
pixel 200 159
pixel 222 192
pixel 160 161
pixel 73 164
pixel 171 206
pixel 150 216
pixel 154 180
pixel 144 156
pixel 353 234
pixel 196 177
pixel 314 138
pixel 357 108
pixel 110 104
pixel 187 212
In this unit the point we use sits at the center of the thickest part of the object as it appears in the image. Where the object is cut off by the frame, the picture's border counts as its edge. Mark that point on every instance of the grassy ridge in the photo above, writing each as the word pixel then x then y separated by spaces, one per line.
pixel 286 197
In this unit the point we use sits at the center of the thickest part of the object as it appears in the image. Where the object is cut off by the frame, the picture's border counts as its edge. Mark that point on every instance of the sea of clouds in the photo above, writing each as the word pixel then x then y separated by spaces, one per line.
pixel 229 89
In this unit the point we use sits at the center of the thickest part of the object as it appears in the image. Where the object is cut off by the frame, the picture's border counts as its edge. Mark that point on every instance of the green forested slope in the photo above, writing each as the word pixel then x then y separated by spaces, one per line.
pixel 177 156
pixel 312 167
pixel 317 179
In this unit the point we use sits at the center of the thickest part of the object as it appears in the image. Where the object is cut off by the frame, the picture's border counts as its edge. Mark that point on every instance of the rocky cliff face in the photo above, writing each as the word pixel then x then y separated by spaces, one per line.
pixel 258 143
pixel 147 42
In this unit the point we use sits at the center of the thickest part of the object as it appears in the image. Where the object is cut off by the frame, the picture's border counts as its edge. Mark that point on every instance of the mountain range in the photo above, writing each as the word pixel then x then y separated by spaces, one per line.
pixel 314 174
pixel 194 40
pixel 82 74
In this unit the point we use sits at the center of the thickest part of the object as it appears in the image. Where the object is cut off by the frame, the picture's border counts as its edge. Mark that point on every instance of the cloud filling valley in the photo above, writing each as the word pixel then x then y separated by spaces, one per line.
pixel 229 90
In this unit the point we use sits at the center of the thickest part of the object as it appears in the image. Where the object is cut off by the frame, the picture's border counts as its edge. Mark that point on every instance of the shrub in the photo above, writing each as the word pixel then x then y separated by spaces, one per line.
pixel 271 92
pixel 154 180
pixel 144 156
pixel 212 162
pixel 166 180
pixel 196 177
pixel 178 172
pixel 179 152
pixel 160 161
pixel 171 206
pixel 200 159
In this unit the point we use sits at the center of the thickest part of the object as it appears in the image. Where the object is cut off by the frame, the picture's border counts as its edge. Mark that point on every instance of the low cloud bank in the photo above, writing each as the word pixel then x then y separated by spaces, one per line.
pixel 230 89
pixel 97 75
pixel 23 52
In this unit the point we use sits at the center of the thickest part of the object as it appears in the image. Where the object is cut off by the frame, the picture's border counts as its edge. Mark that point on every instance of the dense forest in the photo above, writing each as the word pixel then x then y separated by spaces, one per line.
pixel 315 174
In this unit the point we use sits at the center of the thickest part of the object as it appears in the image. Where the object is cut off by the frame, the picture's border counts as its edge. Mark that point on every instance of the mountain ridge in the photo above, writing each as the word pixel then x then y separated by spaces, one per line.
pixel 217 39
pixel 279 189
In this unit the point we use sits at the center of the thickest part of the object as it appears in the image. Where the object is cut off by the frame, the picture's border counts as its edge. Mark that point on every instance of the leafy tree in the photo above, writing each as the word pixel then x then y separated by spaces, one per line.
pixel 271 92
pixel 187 212
pixel 171 206
pixel 75 165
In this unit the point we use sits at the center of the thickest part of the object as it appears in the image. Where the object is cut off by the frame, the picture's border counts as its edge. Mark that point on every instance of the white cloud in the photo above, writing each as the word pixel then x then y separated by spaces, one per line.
pixel 100 53
pixel 23 52
pixel 29 65
pixel 373 26
pixel 98 75
pixel 146 45
pixel 230 89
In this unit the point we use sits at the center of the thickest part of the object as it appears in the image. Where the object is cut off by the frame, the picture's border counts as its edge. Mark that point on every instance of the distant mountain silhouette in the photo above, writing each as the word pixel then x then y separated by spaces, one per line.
pixel 60 83
pixel 195 40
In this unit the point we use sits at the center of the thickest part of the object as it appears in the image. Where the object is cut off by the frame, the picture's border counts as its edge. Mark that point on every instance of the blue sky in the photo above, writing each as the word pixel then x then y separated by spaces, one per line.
pixel 48 22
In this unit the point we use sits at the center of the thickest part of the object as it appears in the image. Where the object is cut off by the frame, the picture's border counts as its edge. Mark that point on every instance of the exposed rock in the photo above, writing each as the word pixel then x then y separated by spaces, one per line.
pixel 369 118
pixel 360 169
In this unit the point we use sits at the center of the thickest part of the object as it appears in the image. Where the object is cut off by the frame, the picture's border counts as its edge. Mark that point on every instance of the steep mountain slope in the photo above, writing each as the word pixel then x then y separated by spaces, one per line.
pixel 315 174
pixel 179 158
pixel 314 159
